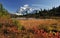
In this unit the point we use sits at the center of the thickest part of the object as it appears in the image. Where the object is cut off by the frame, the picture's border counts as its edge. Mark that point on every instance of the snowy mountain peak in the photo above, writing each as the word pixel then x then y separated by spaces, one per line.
pixel 24 10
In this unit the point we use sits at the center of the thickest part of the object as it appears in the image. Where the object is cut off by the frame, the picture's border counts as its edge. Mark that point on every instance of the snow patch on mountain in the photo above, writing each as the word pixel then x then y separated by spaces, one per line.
pixel 24 10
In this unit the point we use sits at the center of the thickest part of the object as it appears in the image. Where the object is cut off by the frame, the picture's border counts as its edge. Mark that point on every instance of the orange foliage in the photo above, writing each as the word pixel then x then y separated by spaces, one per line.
pixel 29 23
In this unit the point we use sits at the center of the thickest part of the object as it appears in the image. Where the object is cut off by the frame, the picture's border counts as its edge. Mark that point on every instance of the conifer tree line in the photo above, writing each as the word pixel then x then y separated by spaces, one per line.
pixel 54 12
pixel 3 11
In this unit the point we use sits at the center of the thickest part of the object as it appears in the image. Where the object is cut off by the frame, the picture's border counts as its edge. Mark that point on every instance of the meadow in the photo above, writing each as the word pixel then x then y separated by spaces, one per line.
pixel 29 23
pixel 29 28
pixel 40 28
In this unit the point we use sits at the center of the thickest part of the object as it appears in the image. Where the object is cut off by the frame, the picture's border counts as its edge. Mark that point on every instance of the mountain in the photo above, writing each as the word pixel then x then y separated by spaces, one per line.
pixel 51 13
pixel 24 10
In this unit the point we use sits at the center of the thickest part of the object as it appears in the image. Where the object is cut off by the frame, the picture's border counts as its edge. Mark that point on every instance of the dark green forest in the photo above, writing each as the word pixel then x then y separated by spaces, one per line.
pixel 52 13
pixel 3 12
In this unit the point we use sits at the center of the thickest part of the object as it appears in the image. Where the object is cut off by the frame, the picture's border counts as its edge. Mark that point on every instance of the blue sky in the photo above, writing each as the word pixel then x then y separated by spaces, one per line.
pixel 13 5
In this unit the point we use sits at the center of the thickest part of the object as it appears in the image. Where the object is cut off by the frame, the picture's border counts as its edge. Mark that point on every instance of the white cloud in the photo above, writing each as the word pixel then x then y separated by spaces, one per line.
pixel 26 5
pixel 38 6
